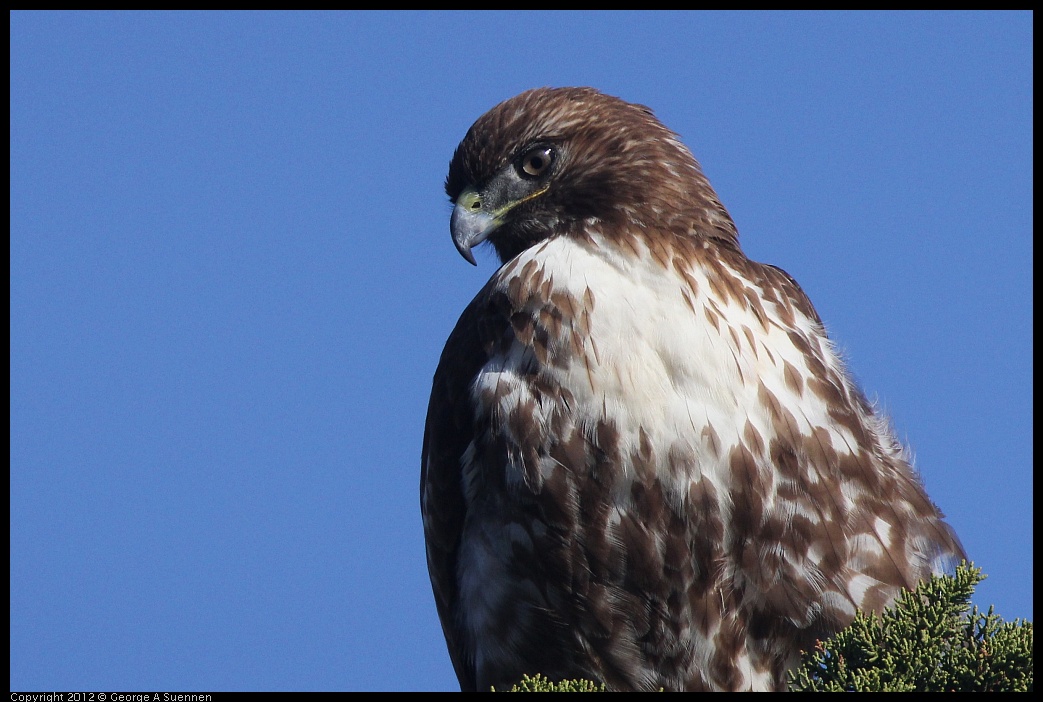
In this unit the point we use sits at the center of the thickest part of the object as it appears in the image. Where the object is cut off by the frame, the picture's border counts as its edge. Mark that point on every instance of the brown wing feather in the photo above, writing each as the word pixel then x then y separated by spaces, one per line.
pixel 448 432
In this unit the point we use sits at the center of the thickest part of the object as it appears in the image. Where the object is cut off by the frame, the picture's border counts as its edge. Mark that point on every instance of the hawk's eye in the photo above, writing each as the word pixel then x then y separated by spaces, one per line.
pixel 536 163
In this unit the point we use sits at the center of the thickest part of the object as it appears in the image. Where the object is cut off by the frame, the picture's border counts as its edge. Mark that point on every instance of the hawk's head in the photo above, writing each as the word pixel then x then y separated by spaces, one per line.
pixel 554 160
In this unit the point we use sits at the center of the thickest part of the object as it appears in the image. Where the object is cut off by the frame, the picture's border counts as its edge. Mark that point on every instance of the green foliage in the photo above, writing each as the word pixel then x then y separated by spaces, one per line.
pixel 538 683
pixel 926 642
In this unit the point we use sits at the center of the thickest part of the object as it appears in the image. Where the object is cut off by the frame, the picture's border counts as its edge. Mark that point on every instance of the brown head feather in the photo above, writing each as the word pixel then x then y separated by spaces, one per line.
pixel 616 164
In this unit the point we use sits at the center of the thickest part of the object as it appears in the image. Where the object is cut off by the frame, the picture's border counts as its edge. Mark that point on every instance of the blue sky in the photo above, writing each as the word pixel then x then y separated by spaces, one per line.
pixel 231 279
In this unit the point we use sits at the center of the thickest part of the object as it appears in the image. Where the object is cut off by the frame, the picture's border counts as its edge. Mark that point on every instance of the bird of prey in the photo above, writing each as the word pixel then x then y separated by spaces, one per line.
pixel 644 462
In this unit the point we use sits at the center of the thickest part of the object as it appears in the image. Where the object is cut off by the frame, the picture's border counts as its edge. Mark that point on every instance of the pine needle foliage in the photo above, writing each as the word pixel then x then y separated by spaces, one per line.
pixel 538 683
pixel 927 641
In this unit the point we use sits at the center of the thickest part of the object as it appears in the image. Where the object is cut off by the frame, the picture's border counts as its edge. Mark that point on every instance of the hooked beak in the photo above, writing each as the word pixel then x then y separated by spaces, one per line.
pixel 471 224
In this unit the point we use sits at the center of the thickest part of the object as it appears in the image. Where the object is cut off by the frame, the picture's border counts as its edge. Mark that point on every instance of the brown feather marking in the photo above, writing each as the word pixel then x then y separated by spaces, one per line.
pixel 683 270
pixel 794 381
pixel 712 318
pixel 709 435
pixel 750 339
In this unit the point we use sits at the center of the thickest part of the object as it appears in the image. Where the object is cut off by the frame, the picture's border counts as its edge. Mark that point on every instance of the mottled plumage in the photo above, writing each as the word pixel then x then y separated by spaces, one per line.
pixel 644 462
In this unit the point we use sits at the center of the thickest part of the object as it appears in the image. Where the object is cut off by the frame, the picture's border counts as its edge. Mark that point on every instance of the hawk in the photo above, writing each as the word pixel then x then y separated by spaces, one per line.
pixel 644 462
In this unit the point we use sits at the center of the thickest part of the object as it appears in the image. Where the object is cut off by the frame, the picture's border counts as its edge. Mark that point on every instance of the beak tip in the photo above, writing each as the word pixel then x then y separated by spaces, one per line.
pixel 465 251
